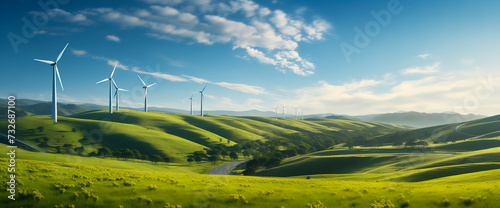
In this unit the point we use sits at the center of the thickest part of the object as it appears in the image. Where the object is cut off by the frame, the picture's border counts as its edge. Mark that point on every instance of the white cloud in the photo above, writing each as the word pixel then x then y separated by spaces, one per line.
pixel 196 79
pixel 260 31
pixel 113 38
pixel 461 91
pixel 423 70
pixel 78 52
pixel 424 56
pixel 64 16
pixel 260 56
pixel 256 90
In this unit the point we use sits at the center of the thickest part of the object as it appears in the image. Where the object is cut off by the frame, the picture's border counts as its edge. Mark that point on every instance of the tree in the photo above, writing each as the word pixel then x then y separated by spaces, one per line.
pixel 58 149
pixel 41 128
pixel 233 155
pixel 213 159
pixel 422 144
pixel 397 144
pixel 190 160
pixel 145 157
pixel 127 153
pixel 224 153
pixel 68 148
pixel 103 151
pixel 411 143
pixel 197 158
pixel 137 154
pixel 156 158
pixel 79 150
pixel 73 129
pixel 246 153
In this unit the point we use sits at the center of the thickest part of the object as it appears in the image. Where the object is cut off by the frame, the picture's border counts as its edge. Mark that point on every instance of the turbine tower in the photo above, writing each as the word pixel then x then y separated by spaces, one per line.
pixel 302 115
pixel 111 82
pixel 145 93
pixel 55 72
pixel 117 96
pixel 191 100
pixel 283 110
pixel 201 92
pixel 277 111
pixel 296 112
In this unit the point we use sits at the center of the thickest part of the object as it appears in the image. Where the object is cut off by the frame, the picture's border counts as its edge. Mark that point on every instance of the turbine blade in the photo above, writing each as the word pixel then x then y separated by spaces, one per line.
pixel 58 76
pixel 102 80
pixel 141 80
pixel 45 61
pixel 151 85
pixel 122 89
pixel 204 87
pixel 59 57
pixel 114 83
pixel 113 70
pixel 116 92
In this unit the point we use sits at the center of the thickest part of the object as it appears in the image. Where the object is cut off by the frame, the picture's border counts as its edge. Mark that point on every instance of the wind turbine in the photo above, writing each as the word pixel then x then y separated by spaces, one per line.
pixel 117 97
pixel 302 115
pixel 283 110
pixel 201 92
pixel 277 111
pixel 191 100
pixel 111 82
pixel 296 112
pixel 55 72
pixel 145 93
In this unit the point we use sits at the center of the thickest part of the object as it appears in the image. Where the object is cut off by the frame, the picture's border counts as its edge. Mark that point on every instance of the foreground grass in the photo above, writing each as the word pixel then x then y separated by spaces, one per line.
pixel 92 186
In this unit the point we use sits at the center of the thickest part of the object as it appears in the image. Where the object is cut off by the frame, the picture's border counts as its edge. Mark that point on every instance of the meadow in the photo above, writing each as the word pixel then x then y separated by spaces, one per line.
pixel 60 184
pixel 464 172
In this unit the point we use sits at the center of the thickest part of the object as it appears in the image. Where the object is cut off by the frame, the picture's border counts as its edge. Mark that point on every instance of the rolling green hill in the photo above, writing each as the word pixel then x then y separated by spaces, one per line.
pixel 466 154
pixel 176 135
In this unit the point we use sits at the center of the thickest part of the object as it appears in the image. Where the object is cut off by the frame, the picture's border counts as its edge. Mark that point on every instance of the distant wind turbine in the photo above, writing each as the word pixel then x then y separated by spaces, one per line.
pixel 191 100
pixel 145 93
pixel 277 111
pixel 117 97
pixel 111 82
pixel 201 92
pixel 296 112
pixel 302 115
pixel 55 72
pixel 283 110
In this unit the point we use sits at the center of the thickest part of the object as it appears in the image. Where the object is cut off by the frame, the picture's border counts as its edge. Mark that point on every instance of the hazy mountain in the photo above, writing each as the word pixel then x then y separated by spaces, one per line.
pixel 418 119
pixel 27 107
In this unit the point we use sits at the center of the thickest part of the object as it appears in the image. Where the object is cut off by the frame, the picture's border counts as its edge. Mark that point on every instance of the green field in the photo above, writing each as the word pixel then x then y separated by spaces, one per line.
pixel 461 173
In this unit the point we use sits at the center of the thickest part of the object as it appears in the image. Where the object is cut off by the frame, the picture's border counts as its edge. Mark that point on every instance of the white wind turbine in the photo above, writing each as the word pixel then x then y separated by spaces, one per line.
pixel 111 82
pixel 283 110
pixel 277 111
pixel 145 93
pixel 201 92
pixel 296 111
pixel 191 100
pixel 302 115
pixel 117 96
pixel 55 72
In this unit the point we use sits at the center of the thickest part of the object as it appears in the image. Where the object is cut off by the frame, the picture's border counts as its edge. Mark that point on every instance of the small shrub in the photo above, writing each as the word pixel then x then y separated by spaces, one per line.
pixel 238 198
pixel 317 204
pixel 152 187
pixel 267 192
pixel 383 203
pixel 467 201
pixel 167 205
pixel 445 202
pixel 74 196
pixel 128 183
pixel 34 194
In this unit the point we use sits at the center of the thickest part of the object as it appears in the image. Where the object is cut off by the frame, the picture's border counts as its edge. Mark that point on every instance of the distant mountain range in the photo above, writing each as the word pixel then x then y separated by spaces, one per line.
pixel 27 107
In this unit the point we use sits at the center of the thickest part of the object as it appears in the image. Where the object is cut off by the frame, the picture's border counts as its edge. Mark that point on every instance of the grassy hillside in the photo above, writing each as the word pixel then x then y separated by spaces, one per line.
pixel 43 184
pixel 418 119
pixel 449 153
pixel 177 135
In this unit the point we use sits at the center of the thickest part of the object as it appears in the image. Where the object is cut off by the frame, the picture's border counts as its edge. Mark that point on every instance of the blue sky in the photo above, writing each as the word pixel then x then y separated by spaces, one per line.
pixel 343 57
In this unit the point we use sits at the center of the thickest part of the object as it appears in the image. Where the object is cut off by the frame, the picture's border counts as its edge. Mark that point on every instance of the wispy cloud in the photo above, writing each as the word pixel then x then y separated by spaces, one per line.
pixel 423 70
pixel 424 56
pixel 256 90
pixel 113 38
pixel 78 52
pixel 264 34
